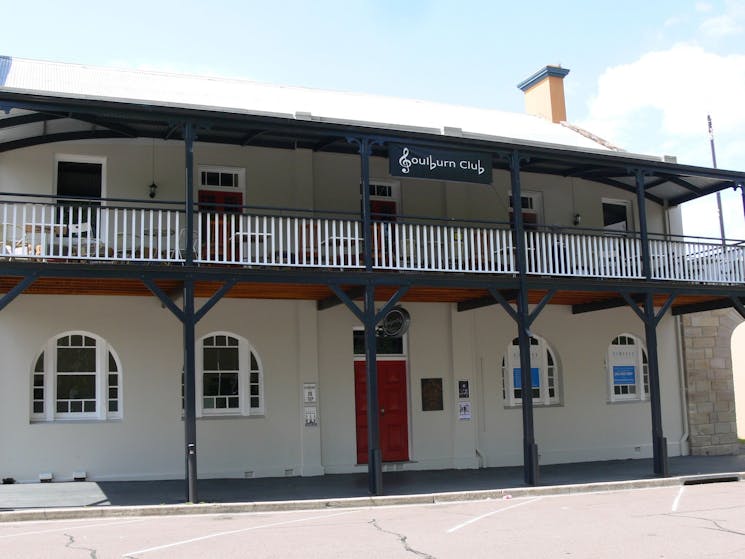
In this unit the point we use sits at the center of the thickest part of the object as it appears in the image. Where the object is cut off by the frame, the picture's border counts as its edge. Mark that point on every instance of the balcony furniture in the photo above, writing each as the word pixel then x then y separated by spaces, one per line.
pixel 82 242
pixel 14 241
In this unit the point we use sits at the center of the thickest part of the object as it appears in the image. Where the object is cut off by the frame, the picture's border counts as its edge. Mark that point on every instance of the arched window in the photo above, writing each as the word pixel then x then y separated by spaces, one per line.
pixel 627 369
pixel 544 374
pixel 229 376
pixel 76 376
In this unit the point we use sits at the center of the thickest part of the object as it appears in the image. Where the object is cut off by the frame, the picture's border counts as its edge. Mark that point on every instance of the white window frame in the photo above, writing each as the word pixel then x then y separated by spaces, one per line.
pixel 102 413
pixel 626 354
pixel 536 203
pixel 548 374
pixel 239 171
pixel 75 158
pixel 629 213
pixel 245 350
pixel 393 196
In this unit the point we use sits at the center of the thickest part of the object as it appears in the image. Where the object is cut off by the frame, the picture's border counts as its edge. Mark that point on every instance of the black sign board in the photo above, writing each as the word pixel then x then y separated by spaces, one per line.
pixel 406 160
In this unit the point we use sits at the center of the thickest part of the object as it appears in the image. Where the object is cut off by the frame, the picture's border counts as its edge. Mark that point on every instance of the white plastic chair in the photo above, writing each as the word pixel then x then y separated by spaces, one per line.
pixel 14 242
pixel 179 252
pixel 83 242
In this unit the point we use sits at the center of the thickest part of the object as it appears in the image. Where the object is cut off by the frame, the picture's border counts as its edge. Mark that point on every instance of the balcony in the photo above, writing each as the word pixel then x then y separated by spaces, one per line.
pixel 119 232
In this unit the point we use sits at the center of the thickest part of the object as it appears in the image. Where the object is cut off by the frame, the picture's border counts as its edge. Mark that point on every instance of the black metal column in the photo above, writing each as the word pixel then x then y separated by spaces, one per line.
pixel 659 443
pixel 530 448
pixel 367 232
pixel 189 325
pixel 189 195
pixel 374 454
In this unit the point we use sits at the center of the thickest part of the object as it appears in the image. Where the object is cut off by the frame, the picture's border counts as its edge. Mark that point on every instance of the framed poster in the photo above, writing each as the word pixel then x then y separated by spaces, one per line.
pixel 464 411
pixel 309 393
pixel 464 391
pixel 432 394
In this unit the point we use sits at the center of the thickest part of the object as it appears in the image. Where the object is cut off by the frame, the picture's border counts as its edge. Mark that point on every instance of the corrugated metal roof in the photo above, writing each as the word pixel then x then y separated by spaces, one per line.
pixel 223 94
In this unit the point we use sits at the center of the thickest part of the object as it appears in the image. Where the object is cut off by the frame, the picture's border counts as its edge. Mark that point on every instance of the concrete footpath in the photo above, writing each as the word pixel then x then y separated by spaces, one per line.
pixel 37 501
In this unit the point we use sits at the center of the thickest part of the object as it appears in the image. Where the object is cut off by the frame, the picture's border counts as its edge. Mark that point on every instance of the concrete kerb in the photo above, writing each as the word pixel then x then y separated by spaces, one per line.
pixel 63 513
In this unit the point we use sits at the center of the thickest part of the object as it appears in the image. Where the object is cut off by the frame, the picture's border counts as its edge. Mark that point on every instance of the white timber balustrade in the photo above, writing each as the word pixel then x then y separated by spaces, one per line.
pixel 267 240
pixel 555 253
pixel 442 248
pixel 72 230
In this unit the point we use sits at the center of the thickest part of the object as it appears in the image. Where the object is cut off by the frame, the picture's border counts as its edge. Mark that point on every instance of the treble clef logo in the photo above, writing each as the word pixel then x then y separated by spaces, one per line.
pixel 404 161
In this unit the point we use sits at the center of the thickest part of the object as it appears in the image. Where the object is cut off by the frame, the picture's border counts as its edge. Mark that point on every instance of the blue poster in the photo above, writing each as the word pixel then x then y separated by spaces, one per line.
pixel 517 377
pixel 624 374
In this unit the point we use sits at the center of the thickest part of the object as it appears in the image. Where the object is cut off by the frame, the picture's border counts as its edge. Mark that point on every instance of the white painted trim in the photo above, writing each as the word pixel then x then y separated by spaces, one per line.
pixel 103 348
pixel 240 171
pixel 620 202
pixel 245 349
pixel 75 158
pixel 641 351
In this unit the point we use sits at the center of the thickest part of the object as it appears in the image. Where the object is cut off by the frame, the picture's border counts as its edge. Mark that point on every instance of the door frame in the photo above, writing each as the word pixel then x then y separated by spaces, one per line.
pixel 404 356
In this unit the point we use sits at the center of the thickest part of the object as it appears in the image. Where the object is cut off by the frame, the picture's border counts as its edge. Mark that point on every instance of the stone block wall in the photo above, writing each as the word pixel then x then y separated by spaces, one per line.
pixel 707 338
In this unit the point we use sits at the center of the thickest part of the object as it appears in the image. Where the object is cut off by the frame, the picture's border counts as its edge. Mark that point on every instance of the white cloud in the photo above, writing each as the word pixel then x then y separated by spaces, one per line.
pixel 658 104
pixel 703 7
pixel 726 24
pixel 661 100
pixel 721 26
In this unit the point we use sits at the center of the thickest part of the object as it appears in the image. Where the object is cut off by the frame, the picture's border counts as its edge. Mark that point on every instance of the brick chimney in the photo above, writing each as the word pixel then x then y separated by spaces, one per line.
pixel 544 93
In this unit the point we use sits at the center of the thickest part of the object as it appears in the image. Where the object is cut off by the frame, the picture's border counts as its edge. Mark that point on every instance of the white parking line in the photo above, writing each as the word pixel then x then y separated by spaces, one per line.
pixel 77 527
pixel 676 502
pixel 476 519
pixel 219 534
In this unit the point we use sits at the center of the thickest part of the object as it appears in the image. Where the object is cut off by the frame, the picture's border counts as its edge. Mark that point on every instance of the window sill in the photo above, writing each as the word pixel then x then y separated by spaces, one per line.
pixel 629 401
pixel 227 416
pixel 520 406
pixel 69 420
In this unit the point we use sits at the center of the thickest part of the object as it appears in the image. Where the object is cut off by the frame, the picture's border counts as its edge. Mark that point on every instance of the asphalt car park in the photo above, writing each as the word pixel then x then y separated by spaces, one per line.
pixel 704 520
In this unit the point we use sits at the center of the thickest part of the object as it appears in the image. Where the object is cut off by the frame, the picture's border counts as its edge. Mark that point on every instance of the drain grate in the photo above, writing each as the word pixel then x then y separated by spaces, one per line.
pixel 711 479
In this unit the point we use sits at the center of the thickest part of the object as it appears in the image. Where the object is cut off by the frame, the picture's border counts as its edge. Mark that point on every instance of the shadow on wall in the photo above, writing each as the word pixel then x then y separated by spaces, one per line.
pixel 738 376
pixel 5 63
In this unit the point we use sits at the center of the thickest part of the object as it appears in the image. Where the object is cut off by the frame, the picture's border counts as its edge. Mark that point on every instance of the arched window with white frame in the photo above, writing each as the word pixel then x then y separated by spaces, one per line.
pixel 230 377
pixel 627 369
pixel 77 375
pixel 544 373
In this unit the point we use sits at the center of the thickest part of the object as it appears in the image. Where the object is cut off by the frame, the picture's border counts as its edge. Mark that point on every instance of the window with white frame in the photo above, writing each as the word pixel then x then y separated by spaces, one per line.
pixel 222 178
pixel 544 373
pixel 627 369
pixel 531 206
pixel 229 376
pixel 76 376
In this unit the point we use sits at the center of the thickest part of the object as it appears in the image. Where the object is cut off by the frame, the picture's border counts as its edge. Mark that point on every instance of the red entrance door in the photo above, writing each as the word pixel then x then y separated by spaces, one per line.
pixel 394 424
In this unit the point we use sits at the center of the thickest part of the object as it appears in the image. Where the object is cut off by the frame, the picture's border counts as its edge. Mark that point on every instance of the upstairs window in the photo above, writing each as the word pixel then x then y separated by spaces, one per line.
pixel 223 178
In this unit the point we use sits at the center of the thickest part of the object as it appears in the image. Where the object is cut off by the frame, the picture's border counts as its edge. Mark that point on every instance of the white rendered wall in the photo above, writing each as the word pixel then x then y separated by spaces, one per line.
pixel 148 442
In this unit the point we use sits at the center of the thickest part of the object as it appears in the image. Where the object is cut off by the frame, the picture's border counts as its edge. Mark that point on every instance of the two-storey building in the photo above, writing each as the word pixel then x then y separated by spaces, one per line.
pixel 281 282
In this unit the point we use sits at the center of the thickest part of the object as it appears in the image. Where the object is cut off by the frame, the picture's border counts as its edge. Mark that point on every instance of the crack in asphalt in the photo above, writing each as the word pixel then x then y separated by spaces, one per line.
pixel 71 540
pixel 403 541
pixel 718 527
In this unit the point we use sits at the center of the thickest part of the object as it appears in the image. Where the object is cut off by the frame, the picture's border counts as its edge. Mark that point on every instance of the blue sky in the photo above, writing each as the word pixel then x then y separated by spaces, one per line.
pixel 644 74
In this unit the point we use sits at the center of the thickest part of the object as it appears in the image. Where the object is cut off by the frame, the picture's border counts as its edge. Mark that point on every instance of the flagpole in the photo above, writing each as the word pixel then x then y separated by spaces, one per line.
pixel 719 194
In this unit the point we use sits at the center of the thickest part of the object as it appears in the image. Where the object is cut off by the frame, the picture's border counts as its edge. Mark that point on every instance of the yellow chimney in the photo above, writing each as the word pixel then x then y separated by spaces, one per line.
pixel 544 93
